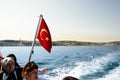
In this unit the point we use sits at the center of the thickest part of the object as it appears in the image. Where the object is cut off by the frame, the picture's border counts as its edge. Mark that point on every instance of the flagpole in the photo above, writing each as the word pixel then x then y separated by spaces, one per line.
pixel 38 26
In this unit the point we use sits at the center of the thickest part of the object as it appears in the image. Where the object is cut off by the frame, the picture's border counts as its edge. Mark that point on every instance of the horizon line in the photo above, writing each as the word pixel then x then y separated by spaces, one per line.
pixel 63 40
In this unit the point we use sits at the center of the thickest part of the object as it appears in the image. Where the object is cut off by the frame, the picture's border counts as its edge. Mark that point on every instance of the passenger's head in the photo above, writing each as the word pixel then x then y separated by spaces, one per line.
pixel 0 54
pixel 15 59
pixel 8 65
pixel 30 71
pixel 69 78
pixel 12 56
pixel 1 57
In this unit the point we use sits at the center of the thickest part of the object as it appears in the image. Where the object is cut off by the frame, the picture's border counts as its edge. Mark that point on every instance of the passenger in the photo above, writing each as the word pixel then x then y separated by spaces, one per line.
pixel 1 57
pixel 30 72
pixel 15 59
pixel 69 78
pixel 9 72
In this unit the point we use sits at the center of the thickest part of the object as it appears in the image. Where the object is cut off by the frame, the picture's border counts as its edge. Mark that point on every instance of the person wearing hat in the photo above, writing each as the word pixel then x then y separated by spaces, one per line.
pixel 9 72
pixel 15 60
pixel 1 57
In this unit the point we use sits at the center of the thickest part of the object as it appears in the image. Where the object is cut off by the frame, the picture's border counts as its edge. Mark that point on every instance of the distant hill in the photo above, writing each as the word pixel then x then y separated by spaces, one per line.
pixel 57 43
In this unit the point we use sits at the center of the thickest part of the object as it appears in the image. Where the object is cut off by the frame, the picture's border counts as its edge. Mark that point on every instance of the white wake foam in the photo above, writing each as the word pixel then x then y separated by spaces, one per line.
pixel 113 75
pixel 87 67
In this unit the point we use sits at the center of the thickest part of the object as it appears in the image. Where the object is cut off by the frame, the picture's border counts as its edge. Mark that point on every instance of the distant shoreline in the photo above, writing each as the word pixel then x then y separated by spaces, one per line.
pixel 57 43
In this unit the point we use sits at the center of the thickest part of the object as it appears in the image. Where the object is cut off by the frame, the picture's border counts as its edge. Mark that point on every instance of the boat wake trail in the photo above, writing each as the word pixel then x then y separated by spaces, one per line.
pixel 101 68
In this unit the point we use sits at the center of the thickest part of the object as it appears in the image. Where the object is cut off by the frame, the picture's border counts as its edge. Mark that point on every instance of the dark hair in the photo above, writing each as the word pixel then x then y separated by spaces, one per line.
pixel 12 55
pixel 69 78
pixel 14 58
pixel 29 67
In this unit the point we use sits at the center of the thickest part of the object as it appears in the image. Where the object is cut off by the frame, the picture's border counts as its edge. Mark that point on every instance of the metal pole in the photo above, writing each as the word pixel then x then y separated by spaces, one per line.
pixel 38 26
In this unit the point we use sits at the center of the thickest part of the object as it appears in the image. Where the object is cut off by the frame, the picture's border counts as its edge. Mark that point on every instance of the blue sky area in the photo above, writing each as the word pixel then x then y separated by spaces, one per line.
pixel 80 20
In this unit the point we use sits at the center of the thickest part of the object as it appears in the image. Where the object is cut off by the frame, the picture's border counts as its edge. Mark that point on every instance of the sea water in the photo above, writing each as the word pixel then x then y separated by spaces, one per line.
pixel 83 62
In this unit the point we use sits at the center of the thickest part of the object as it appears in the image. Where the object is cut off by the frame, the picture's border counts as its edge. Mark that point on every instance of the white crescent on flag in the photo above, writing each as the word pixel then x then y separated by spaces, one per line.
pixel 46 37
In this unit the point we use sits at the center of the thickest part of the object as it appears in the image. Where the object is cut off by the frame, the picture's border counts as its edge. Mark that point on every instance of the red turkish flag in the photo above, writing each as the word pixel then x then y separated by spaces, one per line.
pixel 44 36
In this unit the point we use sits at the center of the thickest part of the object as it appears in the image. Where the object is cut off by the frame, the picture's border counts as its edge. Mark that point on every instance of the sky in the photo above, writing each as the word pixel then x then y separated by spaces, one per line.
pixel 79 20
